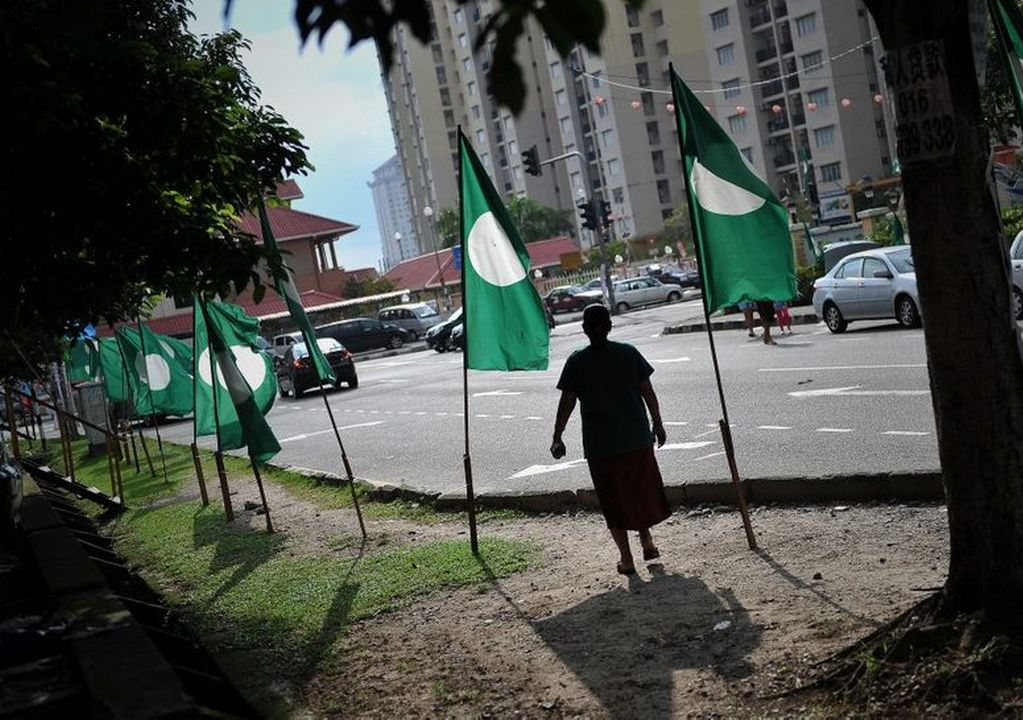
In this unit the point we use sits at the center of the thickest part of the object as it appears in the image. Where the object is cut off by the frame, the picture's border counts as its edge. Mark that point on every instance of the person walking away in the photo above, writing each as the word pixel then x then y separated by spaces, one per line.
pixel 765 308
pixel 611 382
pixel 747 316
pixel 781 312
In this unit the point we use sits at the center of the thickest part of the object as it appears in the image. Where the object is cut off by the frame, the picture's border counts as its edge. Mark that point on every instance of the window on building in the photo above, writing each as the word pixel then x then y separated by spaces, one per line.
pixel 719 19
pixel 555 69
pixel 467 64
pixel 617 195
pixel 560 97
pixel 653 133
pixel 637 45
pixel 471 87
pixel 614 167
pixel 632 15
pixel 576 179
pixel 438 54
pixel 657 18
pixel 517 172
pixel 442 76
pixel 737 124
pixel 822 98
pixel 832 172
pixel 513 147
pixel 662 47
pixel 726 54
pixel 463 40
pixel 602 110
pixel 747 152
pixel 485 159
pixel 475 112
pixel 642 74
pixel 812 61
pixel 445 96
pixel 607 137
pixel 648 103
pixel 481 137
pixel 595 79
pixel 566 125
pixel 824 137
pixel 731 88
pixel 663 192
pixel 657 158
pixel 449 118
pixel 806 24
pixel 459 16
pixel 509 122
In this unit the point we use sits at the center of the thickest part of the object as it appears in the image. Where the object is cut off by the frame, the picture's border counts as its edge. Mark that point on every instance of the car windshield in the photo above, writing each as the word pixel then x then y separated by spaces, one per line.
pixel 902 260
pixel 424 311
pixel 327 345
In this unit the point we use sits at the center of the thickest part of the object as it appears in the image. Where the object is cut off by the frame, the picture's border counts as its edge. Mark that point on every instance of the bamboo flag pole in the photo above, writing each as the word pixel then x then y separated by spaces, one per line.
pixel 262 494
pixel 152 406
pixel 344 459
pixel 218 456
pixel 195 419
pixel 723 424
pixel 470 495
pixel 134 412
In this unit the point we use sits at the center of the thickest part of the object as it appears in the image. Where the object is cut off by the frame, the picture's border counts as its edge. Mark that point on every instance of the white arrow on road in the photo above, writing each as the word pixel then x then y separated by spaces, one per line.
pixel 853 390
pixel 496 392
pixel 303 436
pixel 687 445
pixel 542 469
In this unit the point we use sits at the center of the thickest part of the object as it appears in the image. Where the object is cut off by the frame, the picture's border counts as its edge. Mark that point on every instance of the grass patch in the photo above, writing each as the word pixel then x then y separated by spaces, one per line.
pixel 245 585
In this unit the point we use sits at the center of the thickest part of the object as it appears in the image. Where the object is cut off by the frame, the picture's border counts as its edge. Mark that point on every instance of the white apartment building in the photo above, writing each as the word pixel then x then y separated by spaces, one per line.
pixel 394 214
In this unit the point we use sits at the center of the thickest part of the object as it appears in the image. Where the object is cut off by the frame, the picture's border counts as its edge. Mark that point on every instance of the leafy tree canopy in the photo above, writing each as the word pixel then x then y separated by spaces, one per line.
pixel 131 148
pixel 677 231
pixel 537 221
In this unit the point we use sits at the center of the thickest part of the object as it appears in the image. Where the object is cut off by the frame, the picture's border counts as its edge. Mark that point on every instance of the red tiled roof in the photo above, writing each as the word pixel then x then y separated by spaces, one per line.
pixel 289 190
pixel 420 272
pixel 288 224
pixel 362 274
pixel 273 304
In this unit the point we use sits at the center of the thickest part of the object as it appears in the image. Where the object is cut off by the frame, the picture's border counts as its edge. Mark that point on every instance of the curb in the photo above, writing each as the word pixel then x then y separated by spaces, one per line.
pixel 917 486
pixel 738 324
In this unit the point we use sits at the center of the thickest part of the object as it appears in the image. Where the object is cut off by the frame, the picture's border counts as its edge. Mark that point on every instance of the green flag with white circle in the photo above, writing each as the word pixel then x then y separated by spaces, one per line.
pixel 740 228
pixel 115 382
pixel 505 322
pixel 158 382
pixel 225 347
pixel 82 360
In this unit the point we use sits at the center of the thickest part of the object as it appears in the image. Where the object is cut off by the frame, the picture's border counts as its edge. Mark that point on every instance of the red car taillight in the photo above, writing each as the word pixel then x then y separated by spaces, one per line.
pixel 302 363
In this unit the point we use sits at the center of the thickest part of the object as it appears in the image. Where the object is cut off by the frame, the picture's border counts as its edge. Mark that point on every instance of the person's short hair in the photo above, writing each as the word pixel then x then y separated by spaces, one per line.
pixel 596 315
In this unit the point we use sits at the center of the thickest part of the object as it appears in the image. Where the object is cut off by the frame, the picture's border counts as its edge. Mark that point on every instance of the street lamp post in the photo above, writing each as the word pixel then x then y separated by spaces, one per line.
pixel 397 241
pixel 428 214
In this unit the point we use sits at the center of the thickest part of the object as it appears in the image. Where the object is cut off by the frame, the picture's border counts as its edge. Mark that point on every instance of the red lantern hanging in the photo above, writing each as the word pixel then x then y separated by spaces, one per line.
pixel 776 109
pixel 879 98
pixel 670 107
pixel 846 102
pixel 598 100
pixel 812 107
pixel 740 109
pixel 636 104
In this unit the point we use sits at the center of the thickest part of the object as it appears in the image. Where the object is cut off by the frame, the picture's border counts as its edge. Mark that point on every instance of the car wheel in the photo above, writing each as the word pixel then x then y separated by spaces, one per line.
pixel 396 342
pixel 833 318
pixel 281 390
pixel 413 335
pixel 674 296
pixel 622 307
pixel 354 382
pixel 1017 303
pixel 906 312
pixel 299 392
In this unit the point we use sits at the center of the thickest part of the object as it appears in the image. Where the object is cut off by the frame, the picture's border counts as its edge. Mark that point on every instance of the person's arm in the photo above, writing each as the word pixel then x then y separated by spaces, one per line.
pixel 565 407
pixel 650 398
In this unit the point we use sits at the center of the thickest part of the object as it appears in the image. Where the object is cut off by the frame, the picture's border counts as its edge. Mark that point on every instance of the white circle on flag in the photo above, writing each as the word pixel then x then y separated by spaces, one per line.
pixel 250 363
pixel 721 196
pixel 156 373
pixel 491 253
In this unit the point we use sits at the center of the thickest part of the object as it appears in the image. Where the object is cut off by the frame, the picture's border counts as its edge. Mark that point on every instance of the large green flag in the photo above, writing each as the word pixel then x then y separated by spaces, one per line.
pixel 285 286
pixel 740 227
pixel 245 386
pixel 158 383
pixel 114 380
pixel 1008 22
pixel 82 360
pixel 178 349
pixel 505 323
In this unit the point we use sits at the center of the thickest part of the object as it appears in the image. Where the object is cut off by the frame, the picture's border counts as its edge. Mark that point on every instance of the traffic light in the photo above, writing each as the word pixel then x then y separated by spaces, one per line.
pixel 604 213
pixel 588 212
pixel 531 159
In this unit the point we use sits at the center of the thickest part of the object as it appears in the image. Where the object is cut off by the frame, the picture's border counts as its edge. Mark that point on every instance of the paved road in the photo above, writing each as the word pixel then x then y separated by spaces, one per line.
pixel 816 404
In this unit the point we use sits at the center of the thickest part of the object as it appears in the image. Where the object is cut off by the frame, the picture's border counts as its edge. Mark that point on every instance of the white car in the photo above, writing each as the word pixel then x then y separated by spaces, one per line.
pixel 634 292
pixel 1016 258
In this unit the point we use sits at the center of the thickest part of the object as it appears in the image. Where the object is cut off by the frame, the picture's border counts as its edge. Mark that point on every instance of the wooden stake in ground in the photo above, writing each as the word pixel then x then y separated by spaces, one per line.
pixel 262 496
pixel 145 451
pixel 199 476
pixel 224 490
pixel 344 459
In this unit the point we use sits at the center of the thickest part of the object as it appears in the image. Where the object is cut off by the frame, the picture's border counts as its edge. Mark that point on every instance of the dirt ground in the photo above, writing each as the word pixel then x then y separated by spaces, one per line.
pixel 711 630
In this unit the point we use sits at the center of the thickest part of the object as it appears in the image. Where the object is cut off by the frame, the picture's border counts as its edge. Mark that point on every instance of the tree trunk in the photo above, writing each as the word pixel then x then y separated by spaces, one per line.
pixel 974 352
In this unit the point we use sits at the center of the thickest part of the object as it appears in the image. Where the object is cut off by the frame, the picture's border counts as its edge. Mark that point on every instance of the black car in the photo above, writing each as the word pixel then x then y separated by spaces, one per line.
pixel 439 336
pixel 360 334
pixel 689 278
pixel 296 374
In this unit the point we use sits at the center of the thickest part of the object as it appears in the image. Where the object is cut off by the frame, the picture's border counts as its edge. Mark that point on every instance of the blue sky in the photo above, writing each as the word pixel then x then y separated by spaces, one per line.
pixel 333 97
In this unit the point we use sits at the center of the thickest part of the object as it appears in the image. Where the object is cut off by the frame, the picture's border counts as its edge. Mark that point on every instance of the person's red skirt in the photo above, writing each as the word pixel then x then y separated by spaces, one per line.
pixel 630 490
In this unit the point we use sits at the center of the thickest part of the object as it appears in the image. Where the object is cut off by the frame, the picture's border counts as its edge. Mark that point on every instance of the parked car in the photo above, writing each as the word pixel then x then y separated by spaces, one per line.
pixel 635 292
pixel 415 318
pixel 1016 258
pixel 684 279
pixel 870 285
pixel 361 334
pixel 296 374
pixel 594 284
pixel 281 343
pixel 567 298
pixel 439 336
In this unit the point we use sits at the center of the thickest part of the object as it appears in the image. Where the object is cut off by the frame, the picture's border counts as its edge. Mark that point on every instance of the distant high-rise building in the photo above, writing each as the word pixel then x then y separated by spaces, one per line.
pixel 394 214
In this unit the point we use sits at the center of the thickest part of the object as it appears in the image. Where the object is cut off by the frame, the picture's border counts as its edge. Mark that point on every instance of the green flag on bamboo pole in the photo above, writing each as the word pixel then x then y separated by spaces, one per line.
pixel 505 324
pixel 158 383
pixel 82 360
pixel 285 286
pixel 114 381
pixel 740 228
pixel 245 382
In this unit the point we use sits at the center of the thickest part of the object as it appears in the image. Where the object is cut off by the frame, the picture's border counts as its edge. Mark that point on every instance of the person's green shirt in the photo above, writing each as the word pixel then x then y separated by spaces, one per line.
pixel 606 379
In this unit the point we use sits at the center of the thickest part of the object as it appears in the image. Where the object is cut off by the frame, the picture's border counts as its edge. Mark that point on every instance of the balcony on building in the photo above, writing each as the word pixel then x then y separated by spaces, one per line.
pixel 777 124
pixel 786 157
pixel 781 9
pixel 766 53
pixel 771 89
pixel 759 14
pixel 798 119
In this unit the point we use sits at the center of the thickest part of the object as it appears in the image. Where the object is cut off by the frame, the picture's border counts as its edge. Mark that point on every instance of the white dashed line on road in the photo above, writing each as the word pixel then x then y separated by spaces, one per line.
pixel 705 457
pixel 303 436
pixel 845 367
pixel 533 417
pixel 672 360
pixel 482 415
pixel 686 445
pixel 676 423
pixel 774 427
pixel 835 430
pixel 507 417
pixel 910 433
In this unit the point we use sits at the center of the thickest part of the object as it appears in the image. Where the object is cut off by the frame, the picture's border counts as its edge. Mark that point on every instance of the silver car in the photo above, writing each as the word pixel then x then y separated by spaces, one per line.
pixel 869 285
pixel 637 291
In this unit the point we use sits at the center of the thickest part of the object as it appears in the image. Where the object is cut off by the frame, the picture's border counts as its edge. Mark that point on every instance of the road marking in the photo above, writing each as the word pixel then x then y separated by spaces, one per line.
pixel 374 412
pixel 422 412
pixel 393 363
pixel 677 423
pixel 441 414
pixel 672 360
pixel 687 445
pixel 655 335
pixel 835 430
pixel 482 415
pixel 911 433
pixel 303 436
pixel 853 390
pixel 705 457
pixel 404 412
pixel 533 417
pixel 543 469
pixel 774 427
pixel 507 417
pixel 390 381
pixel 844 367
pixel 492 393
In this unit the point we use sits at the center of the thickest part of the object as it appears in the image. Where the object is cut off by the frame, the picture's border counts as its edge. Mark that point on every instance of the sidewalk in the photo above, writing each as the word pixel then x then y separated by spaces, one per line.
pixel 802 315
